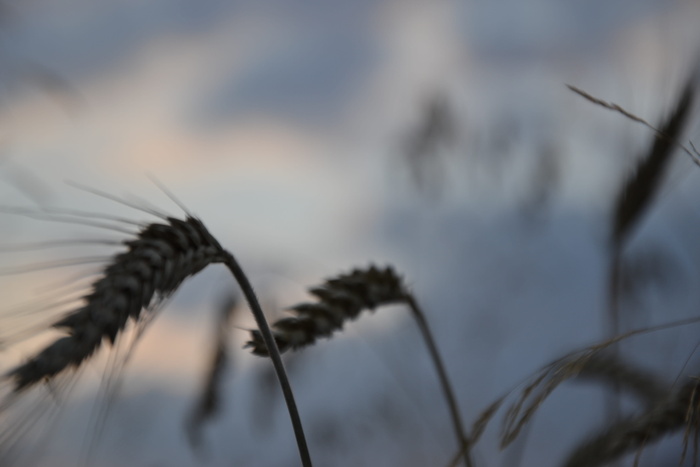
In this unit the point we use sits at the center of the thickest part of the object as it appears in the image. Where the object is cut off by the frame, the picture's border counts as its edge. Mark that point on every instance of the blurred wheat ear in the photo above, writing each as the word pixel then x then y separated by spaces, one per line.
pixel 343 298
pixel 156 262
pixel 209 402
pixel 637 194
pixel 640 189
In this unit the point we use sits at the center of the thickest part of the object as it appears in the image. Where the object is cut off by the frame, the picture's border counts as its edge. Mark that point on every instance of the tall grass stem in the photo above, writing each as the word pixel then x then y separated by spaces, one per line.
pixel 275 356
pixel 444 380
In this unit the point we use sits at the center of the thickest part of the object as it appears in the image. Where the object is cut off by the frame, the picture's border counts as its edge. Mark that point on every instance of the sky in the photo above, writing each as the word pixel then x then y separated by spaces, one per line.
pixel 292 129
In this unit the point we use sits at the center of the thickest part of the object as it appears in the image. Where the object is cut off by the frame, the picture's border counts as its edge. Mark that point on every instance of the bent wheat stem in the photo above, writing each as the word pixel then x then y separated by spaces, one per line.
pixel 157 260
pixel 343 298
pixel 464 441
pixel 274 353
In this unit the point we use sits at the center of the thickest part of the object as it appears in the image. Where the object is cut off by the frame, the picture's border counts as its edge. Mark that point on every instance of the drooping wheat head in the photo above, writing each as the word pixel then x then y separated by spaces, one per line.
pixel 154 265
pixel 343 298
pixel 156 261
pixel 340 299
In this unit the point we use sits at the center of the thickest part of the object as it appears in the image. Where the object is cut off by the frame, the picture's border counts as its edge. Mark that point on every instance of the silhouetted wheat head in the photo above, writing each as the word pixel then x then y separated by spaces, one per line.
pixel 156 262
pixel 343 298
pixel 634 199
pixel 153 267
pixel 340 299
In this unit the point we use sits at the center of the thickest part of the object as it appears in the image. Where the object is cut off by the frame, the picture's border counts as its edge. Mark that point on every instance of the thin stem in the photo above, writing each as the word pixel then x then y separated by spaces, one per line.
pixel 462 451
pixel 275 356
pixel 612 401
pixel 462 438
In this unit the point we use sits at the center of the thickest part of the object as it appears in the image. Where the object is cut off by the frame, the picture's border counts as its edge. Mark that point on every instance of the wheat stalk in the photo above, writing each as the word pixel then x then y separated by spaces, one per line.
pixel 637 195
pixel 343 298
pixel 156 262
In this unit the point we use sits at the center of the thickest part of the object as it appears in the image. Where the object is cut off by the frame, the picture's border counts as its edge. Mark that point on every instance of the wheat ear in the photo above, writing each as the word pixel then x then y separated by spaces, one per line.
pixel 340 299
pixel 640 189
pixel 209 401
pixel 638 193
pixel 343 298
pixel 154 265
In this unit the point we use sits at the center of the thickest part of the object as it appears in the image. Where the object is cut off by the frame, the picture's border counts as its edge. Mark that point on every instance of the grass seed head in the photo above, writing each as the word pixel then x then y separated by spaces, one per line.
pixel 641 188
pixel 154 265
pixel 340 299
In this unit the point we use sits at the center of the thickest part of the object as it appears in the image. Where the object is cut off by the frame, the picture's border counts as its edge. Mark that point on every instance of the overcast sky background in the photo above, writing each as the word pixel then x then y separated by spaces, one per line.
pixel 282 125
